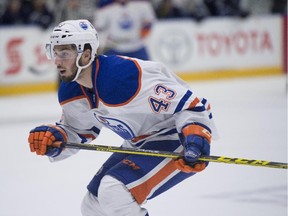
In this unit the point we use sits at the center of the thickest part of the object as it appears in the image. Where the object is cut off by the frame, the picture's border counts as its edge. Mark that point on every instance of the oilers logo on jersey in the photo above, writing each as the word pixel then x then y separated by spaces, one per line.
pixel 116 125
pixel 125 22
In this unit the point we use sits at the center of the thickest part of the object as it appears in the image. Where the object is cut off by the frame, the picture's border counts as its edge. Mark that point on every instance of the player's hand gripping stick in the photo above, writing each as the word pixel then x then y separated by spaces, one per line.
pixel 196 141
pixel 47 140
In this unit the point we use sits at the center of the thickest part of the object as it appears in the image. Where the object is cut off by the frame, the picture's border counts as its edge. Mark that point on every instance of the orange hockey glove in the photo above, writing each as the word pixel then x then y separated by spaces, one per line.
pixel 187 168
pixel 47 140
pixel 196 141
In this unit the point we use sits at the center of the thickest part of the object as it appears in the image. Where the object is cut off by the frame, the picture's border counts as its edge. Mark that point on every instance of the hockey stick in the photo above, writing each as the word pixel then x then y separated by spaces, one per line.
pixel 146 152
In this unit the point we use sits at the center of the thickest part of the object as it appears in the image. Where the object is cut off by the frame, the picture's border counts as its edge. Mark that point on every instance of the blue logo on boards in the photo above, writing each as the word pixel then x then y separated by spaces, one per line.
pixel 116 125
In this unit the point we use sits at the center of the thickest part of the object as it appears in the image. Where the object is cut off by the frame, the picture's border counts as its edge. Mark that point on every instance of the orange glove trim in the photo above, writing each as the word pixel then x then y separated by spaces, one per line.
pixel 181 165
pixel 197 130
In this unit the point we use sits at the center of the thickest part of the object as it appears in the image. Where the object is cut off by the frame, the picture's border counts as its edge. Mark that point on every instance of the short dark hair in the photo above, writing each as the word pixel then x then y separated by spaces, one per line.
pixel 87 46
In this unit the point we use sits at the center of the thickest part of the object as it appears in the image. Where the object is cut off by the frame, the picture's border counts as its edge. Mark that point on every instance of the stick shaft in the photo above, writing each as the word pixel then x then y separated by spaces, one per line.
pixel 155 153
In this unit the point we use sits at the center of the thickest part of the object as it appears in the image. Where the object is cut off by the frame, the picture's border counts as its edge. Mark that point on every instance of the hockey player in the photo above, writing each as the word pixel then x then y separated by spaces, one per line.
pixel 123 27
pixel 141 101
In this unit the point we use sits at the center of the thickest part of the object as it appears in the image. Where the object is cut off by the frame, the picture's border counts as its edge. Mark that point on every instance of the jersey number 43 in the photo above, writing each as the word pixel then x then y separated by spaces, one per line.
pixel 162 97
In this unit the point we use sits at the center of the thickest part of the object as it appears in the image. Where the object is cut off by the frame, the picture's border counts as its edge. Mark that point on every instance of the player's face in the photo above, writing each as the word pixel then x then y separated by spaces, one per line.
pixel 65 60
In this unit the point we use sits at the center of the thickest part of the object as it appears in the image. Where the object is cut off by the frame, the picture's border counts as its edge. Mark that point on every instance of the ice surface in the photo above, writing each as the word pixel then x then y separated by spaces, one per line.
pixel 251 115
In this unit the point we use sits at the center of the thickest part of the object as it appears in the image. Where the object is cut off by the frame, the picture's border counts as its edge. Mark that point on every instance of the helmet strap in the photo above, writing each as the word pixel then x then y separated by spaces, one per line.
pixel 80 68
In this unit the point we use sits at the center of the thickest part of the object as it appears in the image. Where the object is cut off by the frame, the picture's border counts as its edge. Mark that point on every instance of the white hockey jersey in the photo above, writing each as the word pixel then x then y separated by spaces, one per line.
pixel 120 26
pixel 136 99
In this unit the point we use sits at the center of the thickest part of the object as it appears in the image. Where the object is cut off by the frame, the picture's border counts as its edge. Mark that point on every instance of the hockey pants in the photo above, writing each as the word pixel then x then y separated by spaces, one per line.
pixel 124 182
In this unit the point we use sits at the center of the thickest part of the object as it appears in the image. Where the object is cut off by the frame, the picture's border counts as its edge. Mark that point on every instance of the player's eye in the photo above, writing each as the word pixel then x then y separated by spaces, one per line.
pixel 64 54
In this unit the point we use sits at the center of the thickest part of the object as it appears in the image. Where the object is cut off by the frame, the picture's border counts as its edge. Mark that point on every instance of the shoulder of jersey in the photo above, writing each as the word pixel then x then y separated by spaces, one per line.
pixel 69 91
pixel 118 80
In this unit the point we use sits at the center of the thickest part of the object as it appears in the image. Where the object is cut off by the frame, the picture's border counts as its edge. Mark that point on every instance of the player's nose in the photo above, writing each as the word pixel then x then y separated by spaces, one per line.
pixel 57 61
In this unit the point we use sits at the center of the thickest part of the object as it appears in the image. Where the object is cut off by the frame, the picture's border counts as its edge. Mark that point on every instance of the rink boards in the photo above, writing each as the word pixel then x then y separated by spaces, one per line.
pixel 212 49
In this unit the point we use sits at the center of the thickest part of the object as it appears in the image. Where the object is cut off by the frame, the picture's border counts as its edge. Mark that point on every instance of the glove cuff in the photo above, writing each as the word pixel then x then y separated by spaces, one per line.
pixel 61 130
pixel 180 164
pixel 194 129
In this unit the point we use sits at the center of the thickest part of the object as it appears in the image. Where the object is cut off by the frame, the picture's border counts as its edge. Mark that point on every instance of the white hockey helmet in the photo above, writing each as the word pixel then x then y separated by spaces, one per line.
pixel 77 32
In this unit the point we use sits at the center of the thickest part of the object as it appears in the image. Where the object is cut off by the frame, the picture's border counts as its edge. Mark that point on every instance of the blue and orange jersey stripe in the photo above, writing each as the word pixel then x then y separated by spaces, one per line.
pixel 143 190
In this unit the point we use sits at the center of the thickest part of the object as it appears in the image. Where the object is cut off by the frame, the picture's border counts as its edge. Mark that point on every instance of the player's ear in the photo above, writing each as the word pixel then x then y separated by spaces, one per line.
pixel 86 56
